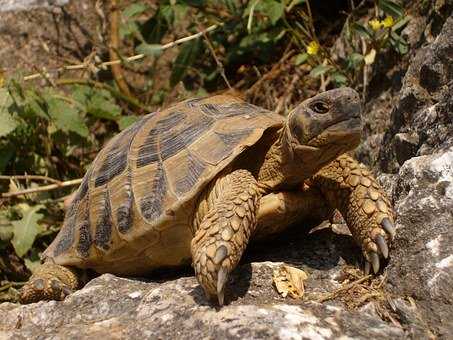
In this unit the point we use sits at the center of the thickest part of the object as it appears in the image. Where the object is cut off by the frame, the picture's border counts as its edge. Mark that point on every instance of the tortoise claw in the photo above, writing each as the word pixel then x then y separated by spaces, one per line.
pixel 388 227
pixel 374 259
pixel 367 267
pixel 222 278
pixel 382 245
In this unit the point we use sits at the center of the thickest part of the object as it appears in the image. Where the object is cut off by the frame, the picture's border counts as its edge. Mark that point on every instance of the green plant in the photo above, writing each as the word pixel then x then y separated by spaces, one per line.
pixel 363 43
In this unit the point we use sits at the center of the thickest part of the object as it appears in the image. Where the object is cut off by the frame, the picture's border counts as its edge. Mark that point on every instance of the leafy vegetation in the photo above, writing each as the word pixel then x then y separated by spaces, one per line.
pixel 261 50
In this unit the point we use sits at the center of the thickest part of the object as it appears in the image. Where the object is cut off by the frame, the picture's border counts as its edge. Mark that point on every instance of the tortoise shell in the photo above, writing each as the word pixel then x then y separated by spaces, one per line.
pixel 133 210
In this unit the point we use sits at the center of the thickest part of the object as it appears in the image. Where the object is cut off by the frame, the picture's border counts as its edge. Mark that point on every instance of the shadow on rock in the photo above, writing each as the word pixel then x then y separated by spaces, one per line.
pixel 237 287
pixel 320 250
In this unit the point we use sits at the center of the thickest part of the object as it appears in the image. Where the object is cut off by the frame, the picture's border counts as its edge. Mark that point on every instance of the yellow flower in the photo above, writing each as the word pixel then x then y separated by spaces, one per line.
pixel 375 24
pixel 388 22
pixel 313 48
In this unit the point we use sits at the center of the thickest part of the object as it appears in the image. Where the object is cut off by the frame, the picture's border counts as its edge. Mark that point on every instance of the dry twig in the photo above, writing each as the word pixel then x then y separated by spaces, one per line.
pixel 117 70
pixel 129 59
pixel 31 177
pixel 217 61
pixel 42 188
pixel 344 288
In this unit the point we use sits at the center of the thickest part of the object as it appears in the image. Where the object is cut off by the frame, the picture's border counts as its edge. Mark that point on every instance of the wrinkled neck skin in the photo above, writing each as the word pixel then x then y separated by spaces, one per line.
pixel 287 163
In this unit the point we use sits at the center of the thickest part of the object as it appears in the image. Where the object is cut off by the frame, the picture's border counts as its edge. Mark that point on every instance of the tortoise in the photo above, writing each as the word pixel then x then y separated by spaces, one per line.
pixel 196 181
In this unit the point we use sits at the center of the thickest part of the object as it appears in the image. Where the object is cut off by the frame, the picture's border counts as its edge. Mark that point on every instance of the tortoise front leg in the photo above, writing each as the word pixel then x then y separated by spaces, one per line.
pixel 50 282
pixel 349 187
pixel 225 219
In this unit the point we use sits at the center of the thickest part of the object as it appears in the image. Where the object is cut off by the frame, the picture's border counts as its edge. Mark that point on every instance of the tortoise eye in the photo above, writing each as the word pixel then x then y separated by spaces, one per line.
pixel 320 107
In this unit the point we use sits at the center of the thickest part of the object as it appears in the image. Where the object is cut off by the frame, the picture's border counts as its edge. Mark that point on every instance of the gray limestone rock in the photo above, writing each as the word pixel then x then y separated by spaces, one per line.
pixel 421 122
pixel 421 266
pixel 21 5
pixel 116 308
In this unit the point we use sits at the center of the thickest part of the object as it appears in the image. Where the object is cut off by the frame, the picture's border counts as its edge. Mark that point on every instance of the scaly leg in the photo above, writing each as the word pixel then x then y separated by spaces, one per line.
pixel 225 219
pixel 49 282
pixel 352 189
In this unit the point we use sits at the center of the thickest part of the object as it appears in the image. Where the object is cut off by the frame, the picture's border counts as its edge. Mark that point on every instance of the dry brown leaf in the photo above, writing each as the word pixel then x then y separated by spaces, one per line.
pixel 289 281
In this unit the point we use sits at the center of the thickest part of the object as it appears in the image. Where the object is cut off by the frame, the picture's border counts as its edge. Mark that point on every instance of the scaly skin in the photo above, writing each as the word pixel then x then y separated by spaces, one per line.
pixel 346 185
pixel 349 187
pixel 227 218
pixel 50 282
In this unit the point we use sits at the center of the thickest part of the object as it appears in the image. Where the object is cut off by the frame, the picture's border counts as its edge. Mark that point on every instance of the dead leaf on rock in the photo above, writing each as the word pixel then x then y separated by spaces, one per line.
pixel 289 281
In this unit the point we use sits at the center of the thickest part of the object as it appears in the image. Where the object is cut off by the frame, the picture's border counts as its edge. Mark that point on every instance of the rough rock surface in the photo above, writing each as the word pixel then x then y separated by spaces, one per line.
pixel 422 120
pixel 408 107
pixel 422 257
pixel 119 308
pixel 15 5
pixel 417 148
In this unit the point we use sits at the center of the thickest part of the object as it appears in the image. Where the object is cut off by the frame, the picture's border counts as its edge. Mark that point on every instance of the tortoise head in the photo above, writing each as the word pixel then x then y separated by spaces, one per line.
pixel 329 121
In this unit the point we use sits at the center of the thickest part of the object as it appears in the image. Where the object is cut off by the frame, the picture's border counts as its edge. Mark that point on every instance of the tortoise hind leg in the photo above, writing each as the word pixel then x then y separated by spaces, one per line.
pixel 50 282
pixel 279 210
pixel 227 218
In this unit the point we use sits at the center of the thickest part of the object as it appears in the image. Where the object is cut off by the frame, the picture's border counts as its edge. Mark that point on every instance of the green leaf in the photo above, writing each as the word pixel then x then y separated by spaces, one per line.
pixel 66 117
pixel 354 60
pixel 96 102
pixel 339 78
pixel 186 57
pixel 361 30
pixel 134 9
pixel 319 70
pixel 167 13
pixel 301 58
pixel 151 50
pixel 6 228
pixel 26 230
pixel 180 11
pixel 32 265
pixel 102 105
pixel 272 9
pixel 129 28
pixel 400 23
pixel 391 8
pixel 399 43
pixel 7 122
pixel 82 93
pixel 126 121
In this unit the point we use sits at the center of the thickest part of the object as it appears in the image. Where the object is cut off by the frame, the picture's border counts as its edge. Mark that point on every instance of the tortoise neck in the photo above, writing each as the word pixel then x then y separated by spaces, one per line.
pixel 278 169
pixel 287 164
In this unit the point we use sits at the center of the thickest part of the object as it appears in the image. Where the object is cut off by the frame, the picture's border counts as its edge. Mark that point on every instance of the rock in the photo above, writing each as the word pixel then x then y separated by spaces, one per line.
pixel 415 154
pixel 405 146
pixel 421 266
pixel 20 5
pixel 113 307
pixel 422 121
